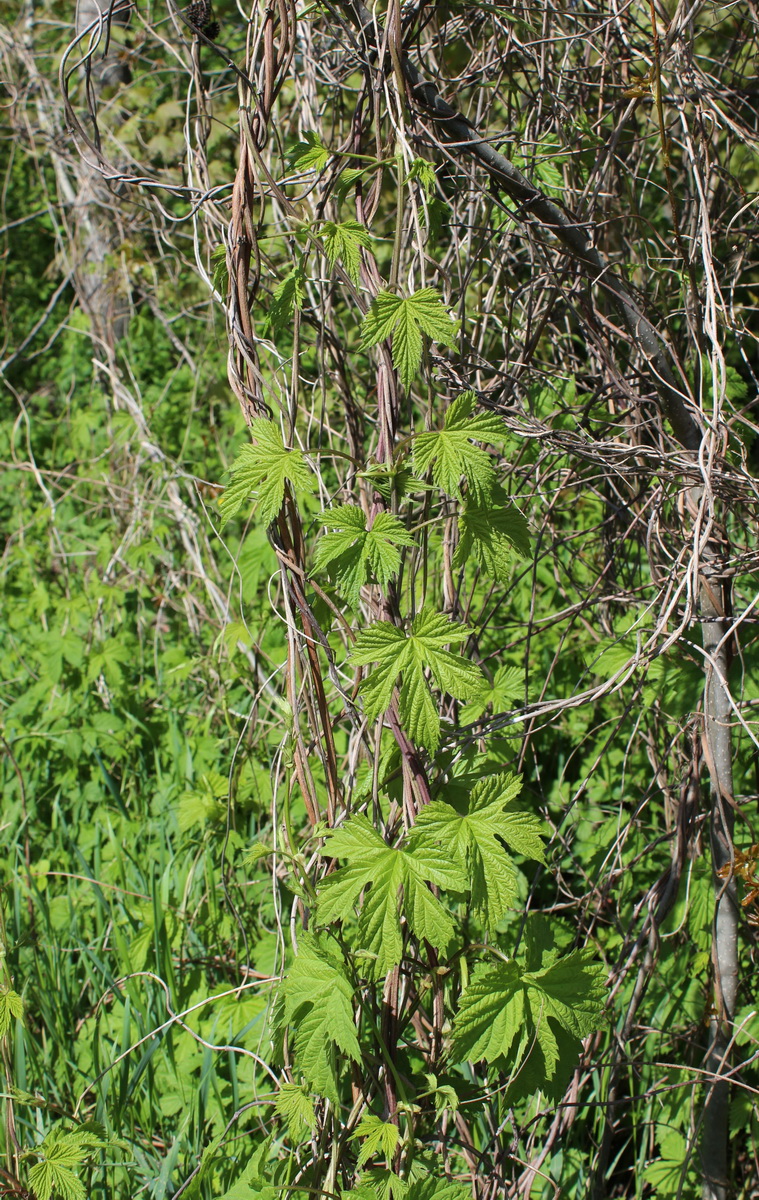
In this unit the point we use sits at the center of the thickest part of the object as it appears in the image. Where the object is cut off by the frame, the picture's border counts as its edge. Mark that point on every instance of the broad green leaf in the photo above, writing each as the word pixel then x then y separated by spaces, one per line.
pixel 430 1188
pixel 318 1008
pixel 490 1014
pixel 346 180
pixel 382 881
pixel 297 1108
pixel 48 1177
pixel 354 553
pixel 451 453
pixel 62 1154
pixel 379 1184
pixel 407 319
pixel 408 656
pixel 508 686
pixel 345 242
pixel 668 1174
pixel 310 154
pixel 379 1137
pixel 471 835
pixel 549 1010
pixel 572 990
pixel 492 532
pixel 262 471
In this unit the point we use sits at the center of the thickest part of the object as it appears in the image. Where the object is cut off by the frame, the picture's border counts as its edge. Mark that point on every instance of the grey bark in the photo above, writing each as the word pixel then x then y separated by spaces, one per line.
pixel 718 715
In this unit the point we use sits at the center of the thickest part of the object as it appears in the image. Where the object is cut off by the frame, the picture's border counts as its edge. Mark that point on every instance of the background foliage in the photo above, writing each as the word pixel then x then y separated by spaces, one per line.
pixel 443 631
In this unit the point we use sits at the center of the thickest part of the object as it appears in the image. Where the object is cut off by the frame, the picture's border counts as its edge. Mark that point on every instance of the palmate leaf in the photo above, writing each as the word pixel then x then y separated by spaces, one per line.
pixel 377 1183
pixel 506 1012
pixel 309 154
pixel 508 686
pixel 407 319
pixel 451 454
pixel 423 173
pixel 262 471
pixel 380 1137
pixel 391 881
pixel 318 1007
pixel 408 655
pixel 345 242
pixel 470 834
pixel 297 1108
pixel 62 1154
pixel 354 553
pixel 492 531
pixel 430 1188
pixel 49 1177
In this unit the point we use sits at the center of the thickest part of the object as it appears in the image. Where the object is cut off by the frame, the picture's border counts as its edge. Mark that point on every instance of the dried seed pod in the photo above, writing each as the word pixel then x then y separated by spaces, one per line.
pixel 200 14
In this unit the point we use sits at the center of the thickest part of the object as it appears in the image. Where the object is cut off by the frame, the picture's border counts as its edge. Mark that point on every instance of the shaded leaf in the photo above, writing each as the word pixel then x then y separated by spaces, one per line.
pixel 492 532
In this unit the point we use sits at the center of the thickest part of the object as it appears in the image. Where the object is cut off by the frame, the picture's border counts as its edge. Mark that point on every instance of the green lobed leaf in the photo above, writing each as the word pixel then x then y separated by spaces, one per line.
pixel 490 1014
pixel 406 320
pixel 408 656
pixel 262 471
pixel 354 553
pixel 508 686
pixel 48 1177
pixel 450 452
pixel 318 1006
pixel 572 990
pixel 310 154
pixel 492 532
pixel 501 1001
pixel 379 1137
pixel 430 1188
pixel 345 241
pixel 381 881
pixel 471 835
pixel 287 299
pixel 62 1154
pixel 423 173
pixel 11 1005
pixel 297 1109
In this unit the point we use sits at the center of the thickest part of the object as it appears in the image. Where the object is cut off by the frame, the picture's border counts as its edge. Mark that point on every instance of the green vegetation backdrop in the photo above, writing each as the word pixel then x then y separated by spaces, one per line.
pixel 379 668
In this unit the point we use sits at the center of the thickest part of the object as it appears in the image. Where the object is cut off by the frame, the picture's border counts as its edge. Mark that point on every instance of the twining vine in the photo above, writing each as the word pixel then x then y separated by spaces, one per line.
pixel 397 405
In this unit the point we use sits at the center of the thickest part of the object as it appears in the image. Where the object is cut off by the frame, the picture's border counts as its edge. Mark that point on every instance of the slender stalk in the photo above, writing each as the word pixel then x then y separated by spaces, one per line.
pixel 715 626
